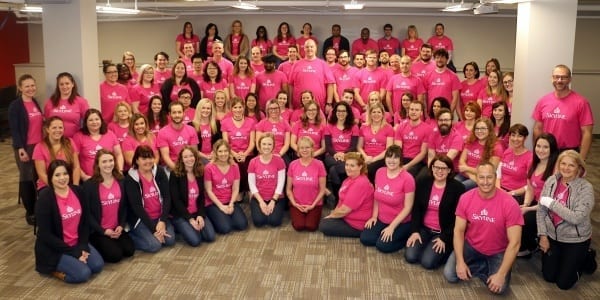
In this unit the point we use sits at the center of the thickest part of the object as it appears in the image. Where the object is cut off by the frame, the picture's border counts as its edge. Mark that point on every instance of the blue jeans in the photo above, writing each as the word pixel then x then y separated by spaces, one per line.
pixel 338 227
pixel 274 219
pixel 144 239
pixel 77 271
pixel 423 252
pixel 466 181
pixel 480 265
pixel 372 237
pixel 192 236
pixel 225 223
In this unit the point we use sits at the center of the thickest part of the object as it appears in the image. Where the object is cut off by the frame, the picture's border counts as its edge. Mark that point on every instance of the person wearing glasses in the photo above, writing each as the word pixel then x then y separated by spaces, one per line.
pixel 566 114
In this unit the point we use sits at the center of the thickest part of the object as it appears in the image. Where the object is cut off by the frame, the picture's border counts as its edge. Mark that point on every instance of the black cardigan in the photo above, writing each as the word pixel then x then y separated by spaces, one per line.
pixel 179 196
pixel 19 122
pixel 49 244
pixel 167 88
pixel 92 194
pixel 133 189
pixel 454 189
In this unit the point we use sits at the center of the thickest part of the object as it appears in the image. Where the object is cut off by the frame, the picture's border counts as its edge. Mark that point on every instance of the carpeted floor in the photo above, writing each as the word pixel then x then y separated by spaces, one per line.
pixel 266 263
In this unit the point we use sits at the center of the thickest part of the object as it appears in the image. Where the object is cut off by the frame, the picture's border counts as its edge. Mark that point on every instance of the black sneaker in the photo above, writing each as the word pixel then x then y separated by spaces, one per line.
pixel 30 219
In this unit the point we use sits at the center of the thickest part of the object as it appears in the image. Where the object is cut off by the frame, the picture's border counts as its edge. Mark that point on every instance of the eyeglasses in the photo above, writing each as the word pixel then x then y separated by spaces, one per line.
pixel 438 168
pixel 507 81
pixel 561 77
pixel 481 129
pixel 273 108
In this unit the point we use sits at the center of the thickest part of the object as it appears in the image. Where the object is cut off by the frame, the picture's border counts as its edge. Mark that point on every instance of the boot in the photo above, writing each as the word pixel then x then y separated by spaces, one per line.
pixel 28 196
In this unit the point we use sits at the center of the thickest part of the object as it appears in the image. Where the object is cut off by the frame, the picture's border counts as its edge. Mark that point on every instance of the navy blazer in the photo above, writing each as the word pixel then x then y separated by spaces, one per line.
pixel 92 194
pixel 19 122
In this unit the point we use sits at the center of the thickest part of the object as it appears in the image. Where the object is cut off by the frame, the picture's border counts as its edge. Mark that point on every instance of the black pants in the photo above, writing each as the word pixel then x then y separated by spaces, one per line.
pixel 113 250
pixel 563 261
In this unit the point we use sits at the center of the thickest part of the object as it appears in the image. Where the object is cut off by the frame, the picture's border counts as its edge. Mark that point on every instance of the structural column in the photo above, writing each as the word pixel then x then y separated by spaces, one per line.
pixel 71 45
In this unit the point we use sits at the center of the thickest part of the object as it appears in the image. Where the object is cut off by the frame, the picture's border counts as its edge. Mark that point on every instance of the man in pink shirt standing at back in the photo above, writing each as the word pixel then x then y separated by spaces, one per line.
pixel 364 43
pixel 441 41
pixel 441 82
pixel 388 43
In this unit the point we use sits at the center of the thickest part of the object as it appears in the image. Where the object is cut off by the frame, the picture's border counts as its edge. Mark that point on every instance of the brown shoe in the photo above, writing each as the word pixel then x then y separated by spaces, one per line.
pixel 59 275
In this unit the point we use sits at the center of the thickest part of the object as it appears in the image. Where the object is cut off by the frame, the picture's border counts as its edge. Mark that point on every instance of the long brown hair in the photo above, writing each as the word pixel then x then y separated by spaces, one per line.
pixel 56 95
pixel 490 142
pixel 65 142
pixel 198 168
pixel 97 176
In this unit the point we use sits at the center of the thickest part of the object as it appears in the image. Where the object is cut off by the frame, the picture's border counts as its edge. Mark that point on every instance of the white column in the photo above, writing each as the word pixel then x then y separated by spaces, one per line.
pixel 71 45
pixel 545 38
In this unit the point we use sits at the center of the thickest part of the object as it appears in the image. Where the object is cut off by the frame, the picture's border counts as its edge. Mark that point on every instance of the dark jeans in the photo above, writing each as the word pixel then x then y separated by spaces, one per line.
pixel 563 261
pixel 225 223
pixel 144 239
pixel 414 170
pixel 77 271
pixel 113 250
pixel 423 252
pixel 372 237
pixel 338 227
pixel 259 219
pixel 373 167
pixel 192 236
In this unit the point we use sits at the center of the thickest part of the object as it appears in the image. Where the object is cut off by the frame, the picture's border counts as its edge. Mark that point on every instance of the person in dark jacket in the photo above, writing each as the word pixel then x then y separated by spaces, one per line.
pixel 186 185
pixel 432 225
pixel 26 119
pixel 178 81
pixel 147 190
pixel 105 192
pixel 336 40
pixel 62 214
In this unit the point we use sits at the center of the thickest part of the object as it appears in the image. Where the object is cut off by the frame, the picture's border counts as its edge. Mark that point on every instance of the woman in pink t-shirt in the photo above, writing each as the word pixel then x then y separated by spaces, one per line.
pixel 179 80
pixel 491 93
pixel 306 180
pixel 412 43
pixel 139 134
pixel 222 105
pixel 470 87
pixel 236 44
pixel 105 192
pixel 111 91
pixel 251 109
pixel 481 145
pixel 311 125
pixel 207 127
pixel 284 110
pixel 280 129
pixel 211 34
pixel 267 171
pixel 67 104
pixel 212 81
pixel 144 90
pixel 306 35
pixel 507 81
pixel 501 120
pixel 157 117
pixel 62 215
pixel 355 204
pixel 187 36
pixel 471 113
pixel 242 81
pixel 129 60
pixel 375 137
pixel 389 226
pixel 55 145
pixel 120 122
pixel 262 41
pixel 282 41
pixel 222 186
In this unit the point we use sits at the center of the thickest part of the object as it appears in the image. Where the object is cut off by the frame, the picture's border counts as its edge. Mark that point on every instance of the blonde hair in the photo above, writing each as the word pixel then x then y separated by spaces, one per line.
pixel 122 104
pixel 576 157
pixel 359 159
pixel 212 122
pixel 143 69
pixel 215 150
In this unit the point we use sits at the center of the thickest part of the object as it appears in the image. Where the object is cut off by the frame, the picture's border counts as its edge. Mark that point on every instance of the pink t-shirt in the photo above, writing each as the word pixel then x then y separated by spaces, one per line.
pixel 537 183
pixel 341 139
pixel 440 84
pixel 286 115
pixel 359 46
pixel 41 153
pixel 120 132
pixel 442 42
pixel 391 45
pixel 143 94
pixel 412 138
pixel 238 137
pixel 357 194
pixel 193 192
pixel 241 86
pixel 198 78
pixel 188 115
pixel 266 174
pixel 487 101
pixel 70 214
pixel 205 133
pixel 301 40
pixel 161 76
pixel 564 117
pixel 208 89
pixel 400 84
pixel 390 194
pixel 110 199
pixel 264 46
pixel 36 120
pixel 461 129
pixel 151 198
pixel 221 183
pixel 305 180
pixel 475 153
pixel 375 143
pixel 175 91
pixel 110 95
pixel 209 43
pixel 281 47
pixel 71 114
pixel 267 86
pixel 257 68
pixel 130 144
pixel 345 79
pixel 225 65
pixel 184 40
pixel 488 219
pixel 313 131
pixel 313 75
pixel 175 139
pixel 431 219
pixel 561 194
pixel 286 67
pixel 443 144
pixel 420 68
pixel 235 40
pixel 412 48
pixel 514 169
pixel 88 147
pixel 470 92
pixel 371 80
pixel 278 130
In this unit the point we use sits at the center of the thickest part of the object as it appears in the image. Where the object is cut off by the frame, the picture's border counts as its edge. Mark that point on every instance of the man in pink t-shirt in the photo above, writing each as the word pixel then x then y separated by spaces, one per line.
pixel 440 41
pixel 176 135
pixel 161 72
pixel 256 60
pixel 371 78
pixel 565 113
pixel 344 76
pixel 412 137
pixel 442 82
pixel 388 43
pixel 364 43
pixel 188 51
pixel 286 66
pixel 270 82
pixel 487 234
pixel 444 140
pixel 225 65
pixel 424 64
pixel 403 83
pixel 313 74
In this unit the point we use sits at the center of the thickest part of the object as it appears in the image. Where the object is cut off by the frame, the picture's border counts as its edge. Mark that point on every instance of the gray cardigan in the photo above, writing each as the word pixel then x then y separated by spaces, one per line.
pixel 576 226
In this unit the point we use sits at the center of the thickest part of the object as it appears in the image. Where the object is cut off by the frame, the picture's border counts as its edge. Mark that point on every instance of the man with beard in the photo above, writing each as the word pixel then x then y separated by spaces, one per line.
pixel 359 60
pixel 269 82
pixel 412 137
pixel 371 78
pixel 336 41
pixel 313 74
pixel 441 82
pixel 176 135
pixel 423 64
pixel 444 140
pixel 566 114
pixel 364 43
pixel 286 66
pixel 402 83
pixel 384 61
pixel 344 76
pixel 440 41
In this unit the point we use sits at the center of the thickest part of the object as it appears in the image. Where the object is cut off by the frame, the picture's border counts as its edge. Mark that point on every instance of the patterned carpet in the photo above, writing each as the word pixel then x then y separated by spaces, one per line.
pixel 261 263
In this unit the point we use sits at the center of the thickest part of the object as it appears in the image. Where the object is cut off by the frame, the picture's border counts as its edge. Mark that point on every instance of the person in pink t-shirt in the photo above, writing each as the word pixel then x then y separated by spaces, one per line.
pixel 565 113
pixel 209 131
pixel 423 64
pixel 486 234
pixel 94 135
pixel 243 80
pixel 262 41
pixel 111 92
pixel 311 124
pixel 157 117
pixel 412 43
pixel 213 80
pixel 251 109
pixel 267 171
pixel 197 71
pixel 66 103
pixel 173 137
pixel 402 83
pixel 444 140
pixel 493 92
pixel 161 71
pixel 441 41
pixel 305 188
pixel 222 184
pixel 501 120
pixel 470 87
pixel 471 113
pixel 344 76
pixel 178 81
pixel 355 204
pixel 287 66
pixel 481 146
pixel 371 78
pixel 141 93
pixel 270 82
pixel 275 125
pixel 282 41
pixel 375 137
pixel 389 226
pixel 364 43
pixel 441 82
pixel 185 98
pixel 306 34
pixel 236 43
pixel 55 145
pixel 388 43
pixel 128 59
pixel 413 139
pixel 120 123
pixel 313 74
pixel 211 34
pixel 139 134
pixel 187 36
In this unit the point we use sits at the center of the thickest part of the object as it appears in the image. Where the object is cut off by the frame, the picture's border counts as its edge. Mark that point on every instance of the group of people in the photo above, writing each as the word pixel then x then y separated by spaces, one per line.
pixel 379 145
